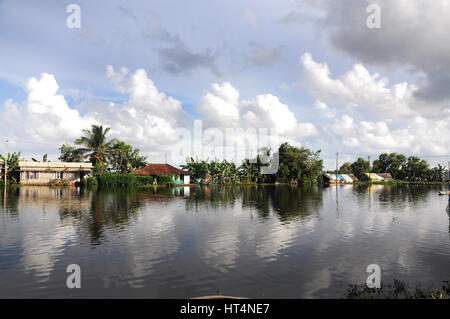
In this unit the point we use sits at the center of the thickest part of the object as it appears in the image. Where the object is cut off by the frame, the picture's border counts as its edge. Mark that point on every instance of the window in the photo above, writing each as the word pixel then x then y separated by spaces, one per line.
pixel 58 175
pixel 32 175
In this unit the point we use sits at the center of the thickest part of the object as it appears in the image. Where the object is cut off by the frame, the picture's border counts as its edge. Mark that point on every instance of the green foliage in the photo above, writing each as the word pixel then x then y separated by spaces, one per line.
pixel 390 163
pixel 125 159
pixel 398 290
pixel 299 165
pixel 345 168
pixel 360 167
pixel 70 154
pixel 99 169
pixel 164 179
pixel 411 169
pixel 60 182
pixel 220 171
pixel 144 180
pixel 89 181
pixel 94 145
pixel 13 166
pixel 197 169
pixel 415 169
pixel 115 179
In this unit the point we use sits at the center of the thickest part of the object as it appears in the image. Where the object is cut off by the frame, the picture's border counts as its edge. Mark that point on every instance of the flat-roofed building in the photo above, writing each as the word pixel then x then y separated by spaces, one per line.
pixel 48 172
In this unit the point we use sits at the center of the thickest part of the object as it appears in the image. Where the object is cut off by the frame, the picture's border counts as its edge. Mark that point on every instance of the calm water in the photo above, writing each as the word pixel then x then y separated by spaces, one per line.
pixel 268 242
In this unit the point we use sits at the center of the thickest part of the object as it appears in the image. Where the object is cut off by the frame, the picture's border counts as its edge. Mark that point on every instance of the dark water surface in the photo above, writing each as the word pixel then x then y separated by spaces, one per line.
pixel 253 241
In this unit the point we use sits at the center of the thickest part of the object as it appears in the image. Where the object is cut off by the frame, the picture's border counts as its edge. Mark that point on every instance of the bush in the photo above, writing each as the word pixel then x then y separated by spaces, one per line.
pixel 111 179
pixel 398 290
pixel 164 179
pixel 144 180
pixel 89 181
pixel 59 182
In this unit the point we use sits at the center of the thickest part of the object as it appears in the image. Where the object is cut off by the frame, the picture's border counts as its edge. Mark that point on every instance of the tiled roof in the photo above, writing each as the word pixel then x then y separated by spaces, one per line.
pixel 160 169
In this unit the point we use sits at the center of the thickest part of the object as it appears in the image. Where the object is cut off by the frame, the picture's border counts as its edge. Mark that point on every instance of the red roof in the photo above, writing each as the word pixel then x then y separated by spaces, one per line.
pixel 159 169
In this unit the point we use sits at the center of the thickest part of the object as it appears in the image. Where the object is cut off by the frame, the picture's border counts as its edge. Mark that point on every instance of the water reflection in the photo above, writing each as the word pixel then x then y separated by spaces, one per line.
pixel 255 241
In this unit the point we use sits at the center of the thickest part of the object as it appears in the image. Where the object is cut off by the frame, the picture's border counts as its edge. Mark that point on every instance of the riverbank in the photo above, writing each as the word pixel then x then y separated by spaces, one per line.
pixel 394 182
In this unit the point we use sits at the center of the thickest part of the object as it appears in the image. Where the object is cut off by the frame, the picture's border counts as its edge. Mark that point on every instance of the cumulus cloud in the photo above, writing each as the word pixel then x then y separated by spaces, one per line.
pixel 357 87
pixel 147 119
pixel 402 125
pixel 222 108
pixel 412 36
pixel 45 117
pixel 416 136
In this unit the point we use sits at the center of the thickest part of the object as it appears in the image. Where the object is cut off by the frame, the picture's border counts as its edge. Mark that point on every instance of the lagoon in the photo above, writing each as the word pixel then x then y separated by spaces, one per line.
pixel 249 241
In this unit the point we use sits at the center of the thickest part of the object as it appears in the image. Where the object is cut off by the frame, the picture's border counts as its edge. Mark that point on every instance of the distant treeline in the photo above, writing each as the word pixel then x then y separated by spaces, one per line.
pixel 399 166
pixel 296 166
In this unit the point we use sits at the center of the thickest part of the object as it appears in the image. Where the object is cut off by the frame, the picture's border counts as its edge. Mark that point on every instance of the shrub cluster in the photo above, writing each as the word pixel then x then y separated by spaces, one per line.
pixel 164 179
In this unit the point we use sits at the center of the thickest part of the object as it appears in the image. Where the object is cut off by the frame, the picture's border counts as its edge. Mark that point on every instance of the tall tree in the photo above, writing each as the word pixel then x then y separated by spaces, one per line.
pixel 345 168
pixel 125 159
pixel 391 163
pixel 70 153
pixel 299 165
pixel 415 169
pixel 95 146
pixel 360 167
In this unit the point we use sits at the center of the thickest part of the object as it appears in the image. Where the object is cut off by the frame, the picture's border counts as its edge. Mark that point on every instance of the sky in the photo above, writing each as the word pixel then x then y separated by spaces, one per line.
pixel 310 72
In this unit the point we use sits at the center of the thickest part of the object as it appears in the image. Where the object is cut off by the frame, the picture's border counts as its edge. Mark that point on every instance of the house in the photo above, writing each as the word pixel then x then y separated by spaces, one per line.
pixel 47 172
pixel 340 178
pixel 351 177
pixel 372 177
pixel 386 176
pixel 179 176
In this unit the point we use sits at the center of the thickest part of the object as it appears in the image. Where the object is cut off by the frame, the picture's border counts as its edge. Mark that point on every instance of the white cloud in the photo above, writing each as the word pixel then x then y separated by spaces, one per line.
pixel 416 136
pixel 356 88
pixel 223 109
pixel 400 127
pixel 44 117
pixel 148 119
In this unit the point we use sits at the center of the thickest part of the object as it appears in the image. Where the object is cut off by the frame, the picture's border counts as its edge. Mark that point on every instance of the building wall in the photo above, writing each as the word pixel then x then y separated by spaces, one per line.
pixel 44 177
pixel 187 179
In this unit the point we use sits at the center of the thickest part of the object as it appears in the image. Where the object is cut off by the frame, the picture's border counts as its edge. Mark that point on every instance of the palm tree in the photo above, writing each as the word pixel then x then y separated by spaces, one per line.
pixel 95 146
pixel 13 166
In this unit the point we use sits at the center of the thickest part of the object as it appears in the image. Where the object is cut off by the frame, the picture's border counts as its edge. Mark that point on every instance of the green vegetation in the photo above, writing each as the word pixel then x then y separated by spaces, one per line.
pixel 70 154
pixel 59 182
pixel 90 181
pixel 164 179
pixel 296 166
pixel 105 155
pixel 398 290
pixel 299 165
pixel 13 167
pixel 117 179
pixel 411 169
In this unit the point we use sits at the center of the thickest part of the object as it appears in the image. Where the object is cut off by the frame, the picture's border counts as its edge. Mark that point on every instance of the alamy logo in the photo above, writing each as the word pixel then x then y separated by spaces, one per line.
pixel 74 279
pixel 374 19
pixel 374 279
pixel 74 19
